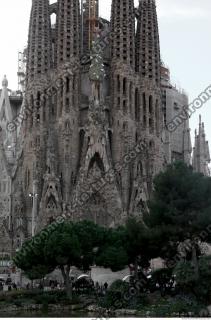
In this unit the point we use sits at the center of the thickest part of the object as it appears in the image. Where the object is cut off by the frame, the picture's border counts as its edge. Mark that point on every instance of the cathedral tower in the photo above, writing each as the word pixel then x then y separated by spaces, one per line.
pixel 68 94
pixel 148 66
pixel 37 104
pixel 123 31
pixel 201 153
pixel 39 40
pixel 147 42
pixel 68 30
pixel 145 104
pixel 123 87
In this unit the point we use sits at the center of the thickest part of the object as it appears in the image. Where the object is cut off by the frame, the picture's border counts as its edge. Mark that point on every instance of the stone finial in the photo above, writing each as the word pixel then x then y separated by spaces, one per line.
pixel 5 82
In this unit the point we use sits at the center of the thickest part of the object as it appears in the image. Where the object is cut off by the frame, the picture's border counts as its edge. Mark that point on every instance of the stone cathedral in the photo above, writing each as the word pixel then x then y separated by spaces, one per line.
pixel 94 90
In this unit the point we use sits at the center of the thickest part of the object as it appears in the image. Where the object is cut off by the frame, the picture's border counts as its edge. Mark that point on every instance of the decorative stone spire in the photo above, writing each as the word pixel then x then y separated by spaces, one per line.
pixel 39 41
pixel 5 82
pixel 147 42
pixel 187 145
pixel 201 153
pixel 6 114
pixel 69 30
pixel 96 73
pixel 123 31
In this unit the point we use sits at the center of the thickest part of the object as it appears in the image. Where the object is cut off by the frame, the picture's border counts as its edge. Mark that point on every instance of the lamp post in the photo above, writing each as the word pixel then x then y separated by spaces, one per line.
pixel 34 197
pixel 19 272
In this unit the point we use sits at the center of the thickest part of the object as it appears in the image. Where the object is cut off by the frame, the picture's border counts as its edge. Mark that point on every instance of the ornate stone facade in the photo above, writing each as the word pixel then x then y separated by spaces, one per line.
pixel 89 111
pixel 87 106
pixel 12 215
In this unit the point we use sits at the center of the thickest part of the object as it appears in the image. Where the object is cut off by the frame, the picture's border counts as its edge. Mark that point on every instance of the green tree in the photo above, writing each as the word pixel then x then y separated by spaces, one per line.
pixel 32 255
pixel 63 250
pixel 114 258
pixel 137 243
pixel 70 244
pixel 92 237
pixel 180 213
pixel 112 254
pixel 31 258
pixel 38 272
pixel 187 282
pixel 74 244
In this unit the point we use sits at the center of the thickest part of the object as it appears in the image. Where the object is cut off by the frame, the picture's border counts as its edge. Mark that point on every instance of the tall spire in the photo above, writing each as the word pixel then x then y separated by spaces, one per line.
pixel 39 40
pixel 68 30
pixel 147 41
pixel 201 153
pixel 6 114
pixel 123 31
pixel 5 82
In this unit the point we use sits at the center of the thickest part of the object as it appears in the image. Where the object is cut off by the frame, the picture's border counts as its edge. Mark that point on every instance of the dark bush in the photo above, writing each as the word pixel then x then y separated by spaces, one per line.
pixel 188 281
pixel 122 295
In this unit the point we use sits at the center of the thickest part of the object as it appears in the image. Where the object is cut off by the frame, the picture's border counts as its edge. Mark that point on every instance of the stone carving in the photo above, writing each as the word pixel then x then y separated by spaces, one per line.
pixel 70 153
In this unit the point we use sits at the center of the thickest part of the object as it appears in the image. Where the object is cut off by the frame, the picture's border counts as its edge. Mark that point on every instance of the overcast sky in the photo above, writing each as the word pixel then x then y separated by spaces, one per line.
pixel 185 32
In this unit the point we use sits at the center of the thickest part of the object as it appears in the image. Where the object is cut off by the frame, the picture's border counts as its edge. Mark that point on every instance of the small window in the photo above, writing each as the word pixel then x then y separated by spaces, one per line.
pixel 176 107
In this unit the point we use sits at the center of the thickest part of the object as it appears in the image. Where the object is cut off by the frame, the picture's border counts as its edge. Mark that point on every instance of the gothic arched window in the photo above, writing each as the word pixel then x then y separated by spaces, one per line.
pixel 144 103
pixel 118 83
pixel 124 86
pixel 140 169
pixel 130 97
pixel 137 105
pixel 150 104
pixel 157 115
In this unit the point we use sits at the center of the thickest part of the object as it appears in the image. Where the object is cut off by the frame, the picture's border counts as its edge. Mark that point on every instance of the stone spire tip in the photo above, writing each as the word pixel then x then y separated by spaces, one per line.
pixel 5 82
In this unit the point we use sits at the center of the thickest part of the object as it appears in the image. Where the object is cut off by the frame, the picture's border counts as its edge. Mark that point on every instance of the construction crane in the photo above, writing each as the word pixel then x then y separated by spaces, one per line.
pixel 90 22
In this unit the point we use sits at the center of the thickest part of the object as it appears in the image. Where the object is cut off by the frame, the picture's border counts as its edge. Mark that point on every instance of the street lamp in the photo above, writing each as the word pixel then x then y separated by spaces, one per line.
pixel 34 197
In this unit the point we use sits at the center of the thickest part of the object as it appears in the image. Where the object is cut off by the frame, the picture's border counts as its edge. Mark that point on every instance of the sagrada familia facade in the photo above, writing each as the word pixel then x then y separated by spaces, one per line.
pixel 89 133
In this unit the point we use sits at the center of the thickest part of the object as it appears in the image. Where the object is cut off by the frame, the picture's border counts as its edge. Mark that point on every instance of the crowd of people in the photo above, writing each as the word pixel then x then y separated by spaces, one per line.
pixel 78 285
pixel 101 288
pixel 8 287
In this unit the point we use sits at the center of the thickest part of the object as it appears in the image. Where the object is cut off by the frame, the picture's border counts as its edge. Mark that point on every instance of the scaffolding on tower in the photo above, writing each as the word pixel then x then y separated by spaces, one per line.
pixel 90 22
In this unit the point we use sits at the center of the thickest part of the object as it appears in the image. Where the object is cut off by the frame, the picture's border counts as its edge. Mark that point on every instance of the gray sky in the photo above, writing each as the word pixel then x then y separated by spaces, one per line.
pixel 184 35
